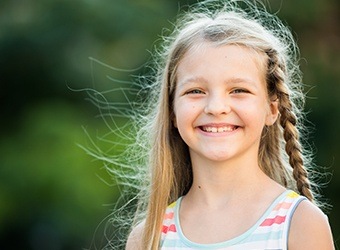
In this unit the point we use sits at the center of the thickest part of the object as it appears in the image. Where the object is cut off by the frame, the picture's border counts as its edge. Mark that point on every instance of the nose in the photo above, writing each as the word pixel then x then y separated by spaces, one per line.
pixel 217 104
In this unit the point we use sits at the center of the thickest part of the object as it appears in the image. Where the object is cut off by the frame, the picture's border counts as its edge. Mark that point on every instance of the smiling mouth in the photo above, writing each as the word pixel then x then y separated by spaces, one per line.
pixel 211 129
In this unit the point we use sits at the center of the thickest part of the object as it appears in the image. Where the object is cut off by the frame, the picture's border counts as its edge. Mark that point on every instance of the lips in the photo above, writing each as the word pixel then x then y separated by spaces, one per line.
pixel 218 129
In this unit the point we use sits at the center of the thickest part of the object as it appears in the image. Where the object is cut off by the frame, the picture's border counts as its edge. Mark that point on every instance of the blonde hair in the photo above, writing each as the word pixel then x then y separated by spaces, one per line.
pixel 281 153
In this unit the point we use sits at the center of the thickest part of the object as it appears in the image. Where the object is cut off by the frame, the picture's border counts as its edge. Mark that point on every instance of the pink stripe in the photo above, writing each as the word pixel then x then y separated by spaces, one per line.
pixel 171 228
pixel 277 220
pixel 284 205
pixel 169 215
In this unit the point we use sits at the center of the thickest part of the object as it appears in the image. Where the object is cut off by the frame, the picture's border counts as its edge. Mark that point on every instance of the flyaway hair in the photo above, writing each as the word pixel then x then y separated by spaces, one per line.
pixel 157 165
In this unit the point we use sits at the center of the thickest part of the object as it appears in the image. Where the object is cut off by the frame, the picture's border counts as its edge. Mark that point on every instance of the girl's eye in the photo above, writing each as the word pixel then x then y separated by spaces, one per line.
pixel 239 91
pixel 194 91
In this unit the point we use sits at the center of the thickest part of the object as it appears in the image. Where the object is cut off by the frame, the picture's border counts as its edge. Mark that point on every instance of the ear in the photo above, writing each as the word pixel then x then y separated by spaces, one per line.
pixel 273 112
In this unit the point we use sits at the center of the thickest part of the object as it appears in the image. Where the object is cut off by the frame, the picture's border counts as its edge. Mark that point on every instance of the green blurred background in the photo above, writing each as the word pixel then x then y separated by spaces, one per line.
pixel 52 194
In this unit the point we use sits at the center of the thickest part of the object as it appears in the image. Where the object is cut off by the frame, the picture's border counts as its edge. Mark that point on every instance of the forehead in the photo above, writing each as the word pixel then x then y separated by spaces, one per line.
pixel 233 60
pixel 202 46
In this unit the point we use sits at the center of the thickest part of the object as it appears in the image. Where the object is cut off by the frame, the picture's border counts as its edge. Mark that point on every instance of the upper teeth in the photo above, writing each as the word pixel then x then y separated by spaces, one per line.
pixel 218 129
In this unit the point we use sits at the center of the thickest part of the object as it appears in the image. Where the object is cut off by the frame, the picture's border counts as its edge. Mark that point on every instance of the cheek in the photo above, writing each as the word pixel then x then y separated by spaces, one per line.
pixel 252 112
pixel 182 115
pixel 184 108
pixel 185 115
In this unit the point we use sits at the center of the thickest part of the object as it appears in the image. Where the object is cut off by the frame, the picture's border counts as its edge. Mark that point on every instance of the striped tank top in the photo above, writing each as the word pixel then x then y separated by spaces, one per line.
pixel 269 232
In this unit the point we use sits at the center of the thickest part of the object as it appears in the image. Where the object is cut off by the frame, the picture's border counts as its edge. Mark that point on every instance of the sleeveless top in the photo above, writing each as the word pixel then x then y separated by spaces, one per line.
pixel 269 232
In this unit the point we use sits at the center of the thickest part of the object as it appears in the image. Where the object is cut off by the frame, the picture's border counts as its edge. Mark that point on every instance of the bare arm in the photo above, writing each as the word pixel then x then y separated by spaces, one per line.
pixel 310 229
pixel 134 241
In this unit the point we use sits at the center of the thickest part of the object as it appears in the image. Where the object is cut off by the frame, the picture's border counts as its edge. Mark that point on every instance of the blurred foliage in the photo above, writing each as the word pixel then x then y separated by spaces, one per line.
pixel 48 190
pixel 51 193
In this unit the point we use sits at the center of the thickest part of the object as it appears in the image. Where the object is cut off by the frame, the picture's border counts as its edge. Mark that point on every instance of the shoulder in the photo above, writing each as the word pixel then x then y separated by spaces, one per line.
pixel 134 241
pixel 309 228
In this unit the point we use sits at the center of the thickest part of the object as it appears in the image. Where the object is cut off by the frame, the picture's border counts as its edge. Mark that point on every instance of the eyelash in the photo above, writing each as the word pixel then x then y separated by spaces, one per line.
pixel 194 91
pixel 238 91
pixel 198 91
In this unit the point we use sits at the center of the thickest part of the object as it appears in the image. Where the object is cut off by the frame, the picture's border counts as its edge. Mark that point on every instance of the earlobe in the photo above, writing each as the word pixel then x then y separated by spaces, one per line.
pixel 273 113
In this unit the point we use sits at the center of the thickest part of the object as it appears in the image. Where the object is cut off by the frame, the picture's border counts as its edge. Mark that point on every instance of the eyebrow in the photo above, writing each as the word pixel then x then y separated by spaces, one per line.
pixel 240 80
pixel 192 80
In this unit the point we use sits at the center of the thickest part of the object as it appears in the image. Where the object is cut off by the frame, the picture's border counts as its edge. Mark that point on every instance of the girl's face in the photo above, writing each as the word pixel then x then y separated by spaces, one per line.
pixel 221 103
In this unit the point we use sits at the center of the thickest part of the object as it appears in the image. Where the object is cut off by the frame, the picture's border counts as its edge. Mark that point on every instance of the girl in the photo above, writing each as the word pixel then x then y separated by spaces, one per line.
pixel 225 139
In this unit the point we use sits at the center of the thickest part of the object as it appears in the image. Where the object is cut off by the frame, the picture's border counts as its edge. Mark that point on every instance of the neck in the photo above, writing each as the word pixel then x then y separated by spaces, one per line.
pixel 216 183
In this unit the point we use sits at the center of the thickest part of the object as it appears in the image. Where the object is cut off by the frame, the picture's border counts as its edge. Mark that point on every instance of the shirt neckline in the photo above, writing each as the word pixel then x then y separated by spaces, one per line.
pixel 229 242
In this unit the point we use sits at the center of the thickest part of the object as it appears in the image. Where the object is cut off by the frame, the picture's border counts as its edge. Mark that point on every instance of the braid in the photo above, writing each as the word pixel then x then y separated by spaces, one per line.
pixel 293 147
pixel 288 121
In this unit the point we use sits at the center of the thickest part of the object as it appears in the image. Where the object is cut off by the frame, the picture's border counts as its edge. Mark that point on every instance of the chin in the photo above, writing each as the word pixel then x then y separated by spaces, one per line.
pixel 219 158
